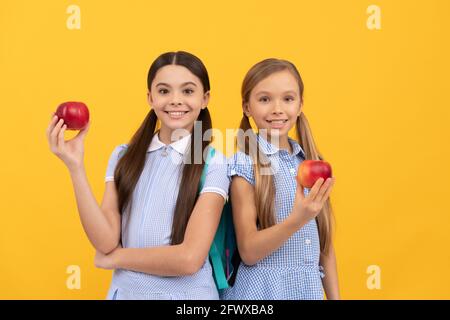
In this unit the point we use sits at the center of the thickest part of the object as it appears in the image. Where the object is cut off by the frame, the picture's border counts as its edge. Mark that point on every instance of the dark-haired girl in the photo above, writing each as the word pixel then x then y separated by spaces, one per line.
pixel 154 226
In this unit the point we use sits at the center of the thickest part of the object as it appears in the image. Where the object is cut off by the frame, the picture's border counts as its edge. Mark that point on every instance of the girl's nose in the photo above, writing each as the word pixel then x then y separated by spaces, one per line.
pixel 175 100
pixel 277 108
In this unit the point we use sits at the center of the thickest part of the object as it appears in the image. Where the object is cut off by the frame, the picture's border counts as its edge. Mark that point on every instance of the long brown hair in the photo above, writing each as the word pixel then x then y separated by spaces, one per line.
pixel 264 186
pixel 131 164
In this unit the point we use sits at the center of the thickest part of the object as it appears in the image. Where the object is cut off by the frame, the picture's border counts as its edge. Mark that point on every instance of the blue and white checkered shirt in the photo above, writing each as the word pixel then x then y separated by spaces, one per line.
pixel 292 271
pixel 149 223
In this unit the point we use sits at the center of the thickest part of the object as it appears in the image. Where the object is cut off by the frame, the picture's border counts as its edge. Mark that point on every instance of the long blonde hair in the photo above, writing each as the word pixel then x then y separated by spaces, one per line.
pixel 264 185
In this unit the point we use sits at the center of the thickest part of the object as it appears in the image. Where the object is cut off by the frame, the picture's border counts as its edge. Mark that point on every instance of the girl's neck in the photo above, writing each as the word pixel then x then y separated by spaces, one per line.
pixel 165 135
pixel 285 145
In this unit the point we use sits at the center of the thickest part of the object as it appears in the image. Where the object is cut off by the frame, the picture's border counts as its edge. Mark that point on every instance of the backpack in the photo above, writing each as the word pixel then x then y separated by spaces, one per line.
pixel 223 254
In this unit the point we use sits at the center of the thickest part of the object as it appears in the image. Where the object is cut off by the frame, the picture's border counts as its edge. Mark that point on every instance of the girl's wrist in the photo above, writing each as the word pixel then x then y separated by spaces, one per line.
pixel 295 220
pixel 116 258
pixel 76 169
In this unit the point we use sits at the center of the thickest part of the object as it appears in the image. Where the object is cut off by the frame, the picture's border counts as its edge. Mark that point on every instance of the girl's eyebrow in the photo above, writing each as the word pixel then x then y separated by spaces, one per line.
pixel 187 83
pixel 268 93
pixel 184 84
pixel 262 92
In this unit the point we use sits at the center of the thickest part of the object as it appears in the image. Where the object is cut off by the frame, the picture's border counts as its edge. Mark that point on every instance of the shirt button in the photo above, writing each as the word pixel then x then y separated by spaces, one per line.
pixel 308 241
pixel 164 153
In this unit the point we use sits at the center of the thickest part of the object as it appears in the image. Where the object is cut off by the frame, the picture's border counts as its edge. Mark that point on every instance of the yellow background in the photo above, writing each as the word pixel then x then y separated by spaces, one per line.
pixel 377 101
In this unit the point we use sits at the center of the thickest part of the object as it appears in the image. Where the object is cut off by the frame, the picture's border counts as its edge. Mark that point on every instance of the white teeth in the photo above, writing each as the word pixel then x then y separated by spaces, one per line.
pixel 177 113
pixel 278 121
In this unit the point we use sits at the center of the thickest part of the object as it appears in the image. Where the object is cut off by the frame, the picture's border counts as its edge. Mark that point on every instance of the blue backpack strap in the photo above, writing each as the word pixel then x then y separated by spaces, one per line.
pixel 216 250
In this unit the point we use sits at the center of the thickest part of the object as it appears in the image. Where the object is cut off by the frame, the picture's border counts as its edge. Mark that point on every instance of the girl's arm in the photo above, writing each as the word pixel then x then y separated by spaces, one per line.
pixel 254 244
pixel 173 260
pixel 330 281
pixel 102 225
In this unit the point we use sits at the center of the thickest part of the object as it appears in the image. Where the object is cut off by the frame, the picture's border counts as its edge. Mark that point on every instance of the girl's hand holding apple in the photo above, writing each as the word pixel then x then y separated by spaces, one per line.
pixel 71 152
pixel 315 174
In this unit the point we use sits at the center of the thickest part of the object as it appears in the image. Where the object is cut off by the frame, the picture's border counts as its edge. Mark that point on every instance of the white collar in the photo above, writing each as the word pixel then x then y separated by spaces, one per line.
pixel 180 145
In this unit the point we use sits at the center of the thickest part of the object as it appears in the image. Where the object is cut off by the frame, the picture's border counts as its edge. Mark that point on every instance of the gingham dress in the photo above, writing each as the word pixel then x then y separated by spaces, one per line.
pixel 292 272
pixel 149 223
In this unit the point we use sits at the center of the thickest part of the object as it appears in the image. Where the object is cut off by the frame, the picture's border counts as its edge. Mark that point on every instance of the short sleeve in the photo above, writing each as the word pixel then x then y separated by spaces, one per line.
pixel 240 164
pixel 216 179
pixel 113 159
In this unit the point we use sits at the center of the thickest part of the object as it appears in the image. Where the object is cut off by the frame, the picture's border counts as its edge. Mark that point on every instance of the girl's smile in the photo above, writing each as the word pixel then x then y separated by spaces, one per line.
pixel 277 123
pixel 176 114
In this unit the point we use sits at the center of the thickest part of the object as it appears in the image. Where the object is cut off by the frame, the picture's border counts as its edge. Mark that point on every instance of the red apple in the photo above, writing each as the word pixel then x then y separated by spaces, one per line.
pixel 309 171
pixel 74 114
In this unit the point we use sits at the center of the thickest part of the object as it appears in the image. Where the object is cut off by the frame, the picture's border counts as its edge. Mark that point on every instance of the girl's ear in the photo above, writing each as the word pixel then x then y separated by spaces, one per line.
pixel 300 109
pixel 149 98
pixel 246 109
pixel 205 100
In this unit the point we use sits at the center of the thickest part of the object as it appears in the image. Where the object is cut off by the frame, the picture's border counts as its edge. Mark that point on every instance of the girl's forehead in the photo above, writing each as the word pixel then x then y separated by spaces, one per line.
pixel 280 81
pixel 175 75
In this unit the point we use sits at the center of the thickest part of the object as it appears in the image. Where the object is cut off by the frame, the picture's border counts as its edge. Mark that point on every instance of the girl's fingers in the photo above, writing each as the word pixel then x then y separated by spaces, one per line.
pixel 55 132
pixel 328 191
pixel 323 189
pixel 51 126
pixel 315 189
pixel 61 138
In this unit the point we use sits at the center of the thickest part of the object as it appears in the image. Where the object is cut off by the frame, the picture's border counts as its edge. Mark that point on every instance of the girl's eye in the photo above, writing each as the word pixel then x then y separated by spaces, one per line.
pixel 163 91
pixel 289 99
pixel 264 99
pixel 188 91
